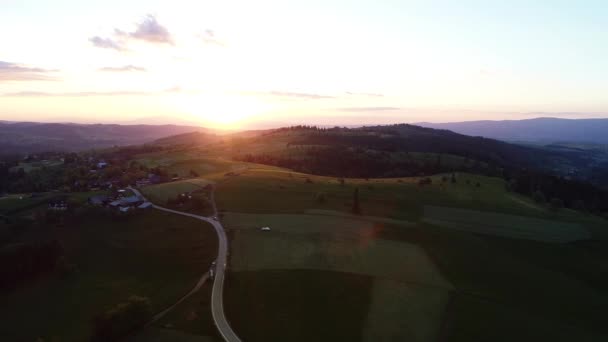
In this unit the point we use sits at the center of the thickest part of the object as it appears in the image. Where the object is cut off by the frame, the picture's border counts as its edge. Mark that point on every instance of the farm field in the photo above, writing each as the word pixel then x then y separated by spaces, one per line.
pixel 395 198
pixel 160 193
pixel 509 226
pixel 428 281
pixel 151 254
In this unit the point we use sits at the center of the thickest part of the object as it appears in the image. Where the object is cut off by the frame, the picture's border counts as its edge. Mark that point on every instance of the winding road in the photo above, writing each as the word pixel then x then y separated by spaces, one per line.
pixel 217 295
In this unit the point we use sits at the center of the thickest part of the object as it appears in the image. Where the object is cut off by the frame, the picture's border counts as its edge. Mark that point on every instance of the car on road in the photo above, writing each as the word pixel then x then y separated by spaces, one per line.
pixel 265 229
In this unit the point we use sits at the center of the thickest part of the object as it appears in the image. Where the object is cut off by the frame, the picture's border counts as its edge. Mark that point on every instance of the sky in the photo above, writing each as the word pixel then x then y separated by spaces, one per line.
pixel 237 64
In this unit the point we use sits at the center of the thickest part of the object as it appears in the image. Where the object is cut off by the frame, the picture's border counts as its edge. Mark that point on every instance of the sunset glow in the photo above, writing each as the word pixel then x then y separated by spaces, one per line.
pixel 227 63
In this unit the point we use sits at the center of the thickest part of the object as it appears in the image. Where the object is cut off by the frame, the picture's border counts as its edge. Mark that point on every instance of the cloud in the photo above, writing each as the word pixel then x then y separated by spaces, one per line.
pixel 148 30
pixel 298 95
pixel 364 94
pixel 151 31
pixel 79 94
pixel 18 72
pixel 125 68
pixel 368 109
pixel 106 43
pixel 208 37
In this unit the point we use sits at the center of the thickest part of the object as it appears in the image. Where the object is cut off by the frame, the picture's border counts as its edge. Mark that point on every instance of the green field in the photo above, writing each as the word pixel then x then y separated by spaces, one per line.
pixel 510 226
pixel 297 305
pixel 152 254
pixel 261 190
pixel 424 281
pixel 160 193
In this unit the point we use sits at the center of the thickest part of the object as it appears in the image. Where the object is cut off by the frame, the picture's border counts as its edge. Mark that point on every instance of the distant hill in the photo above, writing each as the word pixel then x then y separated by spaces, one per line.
pixel 539 130
pixel 188 139
pixel 32 137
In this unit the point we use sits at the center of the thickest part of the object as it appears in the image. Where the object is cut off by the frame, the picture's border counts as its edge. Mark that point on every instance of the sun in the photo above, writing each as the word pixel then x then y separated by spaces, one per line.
pixel 220 110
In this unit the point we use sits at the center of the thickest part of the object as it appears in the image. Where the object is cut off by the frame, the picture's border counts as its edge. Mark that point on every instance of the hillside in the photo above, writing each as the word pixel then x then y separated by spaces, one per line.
pixel 386 151
pixel 31 137
pixel 546 130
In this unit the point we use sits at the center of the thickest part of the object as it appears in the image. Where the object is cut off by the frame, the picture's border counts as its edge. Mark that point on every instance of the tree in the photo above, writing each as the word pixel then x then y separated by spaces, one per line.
pixel 356 204
pixel 579 205
pixel 539 197
pixel 123 319
pixel 321 197
pixel 556 203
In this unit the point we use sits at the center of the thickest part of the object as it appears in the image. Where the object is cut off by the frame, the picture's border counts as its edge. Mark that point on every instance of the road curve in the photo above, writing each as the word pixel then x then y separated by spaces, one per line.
pixel 217 295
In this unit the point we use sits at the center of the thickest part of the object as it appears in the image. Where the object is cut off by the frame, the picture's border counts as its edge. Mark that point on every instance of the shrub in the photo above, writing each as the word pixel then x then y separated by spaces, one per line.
pixel 539 197
pixel 123 319
pixel 556 203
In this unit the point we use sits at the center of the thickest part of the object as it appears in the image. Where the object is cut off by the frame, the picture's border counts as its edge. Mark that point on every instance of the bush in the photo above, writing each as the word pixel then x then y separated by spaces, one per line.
pixel 556 203
pixel 539 197
pixel 321 198
pixel 123 319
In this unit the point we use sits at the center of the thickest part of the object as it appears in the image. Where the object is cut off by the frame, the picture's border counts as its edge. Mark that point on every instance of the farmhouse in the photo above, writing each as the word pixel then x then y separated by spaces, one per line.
pixel 99 200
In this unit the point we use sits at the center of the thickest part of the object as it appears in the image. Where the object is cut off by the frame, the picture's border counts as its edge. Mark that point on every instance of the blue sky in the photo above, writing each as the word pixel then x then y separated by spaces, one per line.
pixel 231 63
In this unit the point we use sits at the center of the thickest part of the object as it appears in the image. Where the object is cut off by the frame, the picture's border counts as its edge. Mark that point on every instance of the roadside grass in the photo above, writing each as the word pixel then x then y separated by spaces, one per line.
pixel 297 305
pixel 504 225
pixel 154 334
pixel 192 316
pixel 151 254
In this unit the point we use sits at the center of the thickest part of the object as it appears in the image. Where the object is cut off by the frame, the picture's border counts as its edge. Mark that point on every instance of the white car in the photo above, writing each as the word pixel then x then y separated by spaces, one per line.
pixel 265 229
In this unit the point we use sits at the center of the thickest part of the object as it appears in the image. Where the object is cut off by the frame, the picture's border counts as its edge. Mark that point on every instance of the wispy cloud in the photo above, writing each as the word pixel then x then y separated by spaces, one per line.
pixel 106 43
pixel 149 30
pixel 76 94
pixel 208 37
pixel 298 95
pixel 18 72
pixel 364 94
pixel 367 109
pixel 125 68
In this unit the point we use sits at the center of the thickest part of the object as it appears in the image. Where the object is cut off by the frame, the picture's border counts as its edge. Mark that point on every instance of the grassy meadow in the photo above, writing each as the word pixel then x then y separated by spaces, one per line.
pixel 151 254
pixel 427 280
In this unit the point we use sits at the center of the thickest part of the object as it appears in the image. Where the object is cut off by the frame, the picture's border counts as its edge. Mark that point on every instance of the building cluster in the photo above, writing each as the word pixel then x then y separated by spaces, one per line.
pixel 120 202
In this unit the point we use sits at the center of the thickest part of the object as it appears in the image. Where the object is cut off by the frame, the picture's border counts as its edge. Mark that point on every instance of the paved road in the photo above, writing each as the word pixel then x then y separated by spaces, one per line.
pixel 217 295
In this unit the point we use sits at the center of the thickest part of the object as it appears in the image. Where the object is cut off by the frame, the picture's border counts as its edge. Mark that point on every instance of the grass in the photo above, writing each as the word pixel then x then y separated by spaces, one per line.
pixel 328 243
pixel 160 193
pixel 404 312
pixel 283 191
pixel 152 254
pixel 506 289
pixel 193 316
pixel 297 305
pixel 511 226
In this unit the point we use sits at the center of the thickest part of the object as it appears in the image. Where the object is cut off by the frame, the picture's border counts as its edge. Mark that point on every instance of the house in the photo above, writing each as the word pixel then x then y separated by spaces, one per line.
pixel 145 205
pixel 99 200
pixel 130 201
pixel 59 205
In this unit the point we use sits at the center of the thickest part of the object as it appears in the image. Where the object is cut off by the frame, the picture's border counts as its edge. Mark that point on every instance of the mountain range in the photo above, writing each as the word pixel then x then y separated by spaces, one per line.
pixel 538 130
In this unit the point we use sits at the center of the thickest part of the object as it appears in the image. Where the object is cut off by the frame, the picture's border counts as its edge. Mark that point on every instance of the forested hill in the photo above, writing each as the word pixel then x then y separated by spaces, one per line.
pixel 407 150
pixel 388 151
pixel 34 137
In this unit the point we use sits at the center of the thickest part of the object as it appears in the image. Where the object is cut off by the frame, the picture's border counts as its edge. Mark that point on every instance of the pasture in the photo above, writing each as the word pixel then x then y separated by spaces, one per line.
pixel 160 193
pixel 503 225
pixel 151 254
